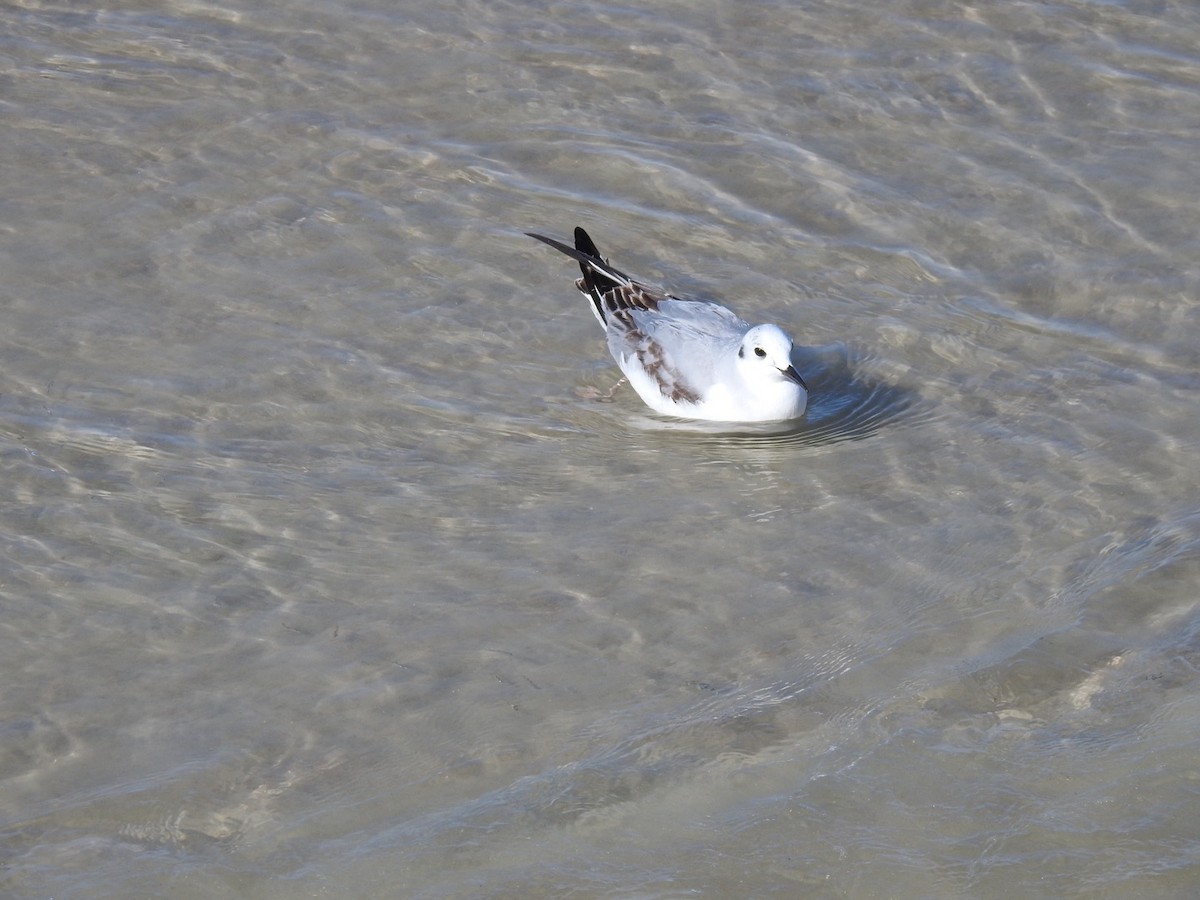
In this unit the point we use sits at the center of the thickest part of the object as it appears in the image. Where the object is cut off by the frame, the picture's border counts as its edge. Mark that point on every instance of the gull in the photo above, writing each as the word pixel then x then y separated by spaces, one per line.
pixel 688 358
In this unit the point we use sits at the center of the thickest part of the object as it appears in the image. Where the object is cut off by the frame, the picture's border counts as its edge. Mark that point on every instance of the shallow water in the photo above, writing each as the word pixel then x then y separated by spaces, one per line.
pixel 324 575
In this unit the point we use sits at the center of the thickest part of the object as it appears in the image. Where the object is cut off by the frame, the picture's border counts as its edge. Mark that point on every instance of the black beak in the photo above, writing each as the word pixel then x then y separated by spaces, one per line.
pixel 791 374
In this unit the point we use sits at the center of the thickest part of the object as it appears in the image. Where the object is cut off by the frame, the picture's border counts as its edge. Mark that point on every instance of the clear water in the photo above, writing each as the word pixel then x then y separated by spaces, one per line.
pixel 323 576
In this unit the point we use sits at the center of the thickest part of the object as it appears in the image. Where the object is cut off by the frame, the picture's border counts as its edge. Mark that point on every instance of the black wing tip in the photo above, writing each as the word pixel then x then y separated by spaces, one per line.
pixel 584 252
pixel 596 277
pixel 596 270
pixel 584 242
pixel 545 240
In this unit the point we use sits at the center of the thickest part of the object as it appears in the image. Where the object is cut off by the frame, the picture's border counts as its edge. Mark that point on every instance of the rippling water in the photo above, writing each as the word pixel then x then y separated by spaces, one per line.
pixel 325 574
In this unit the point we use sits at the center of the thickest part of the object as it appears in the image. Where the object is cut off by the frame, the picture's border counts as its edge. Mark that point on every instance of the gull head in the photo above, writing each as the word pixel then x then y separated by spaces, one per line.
pixel 765 357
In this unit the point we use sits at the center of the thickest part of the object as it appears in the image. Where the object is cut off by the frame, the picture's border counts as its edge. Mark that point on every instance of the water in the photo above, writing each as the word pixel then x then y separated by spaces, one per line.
pixel 323 576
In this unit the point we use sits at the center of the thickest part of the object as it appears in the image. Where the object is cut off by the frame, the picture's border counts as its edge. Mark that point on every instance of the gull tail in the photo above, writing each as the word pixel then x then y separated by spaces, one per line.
pixel 598 276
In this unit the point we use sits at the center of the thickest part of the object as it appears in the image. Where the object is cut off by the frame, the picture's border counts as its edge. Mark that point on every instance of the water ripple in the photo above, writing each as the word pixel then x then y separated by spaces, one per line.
pixel 847 403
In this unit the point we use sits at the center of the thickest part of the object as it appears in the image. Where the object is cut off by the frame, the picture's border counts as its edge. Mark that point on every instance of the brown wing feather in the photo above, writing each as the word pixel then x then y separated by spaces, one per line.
pixel 633 296
pixel 650 355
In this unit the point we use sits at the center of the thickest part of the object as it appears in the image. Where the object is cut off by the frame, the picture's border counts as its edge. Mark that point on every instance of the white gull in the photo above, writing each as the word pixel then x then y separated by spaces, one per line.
pixel 688 358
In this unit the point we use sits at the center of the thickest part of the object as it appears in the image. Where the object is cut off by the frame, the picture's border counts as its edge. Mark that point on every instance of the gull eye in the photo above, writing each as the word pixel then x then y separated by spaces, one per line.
pixel 760 352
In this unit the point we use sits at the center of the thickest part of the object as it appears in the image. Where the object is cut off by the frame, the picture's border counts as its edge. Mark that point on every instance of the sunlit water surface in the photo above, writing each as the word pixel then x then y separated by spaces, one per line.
pixel 325 573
